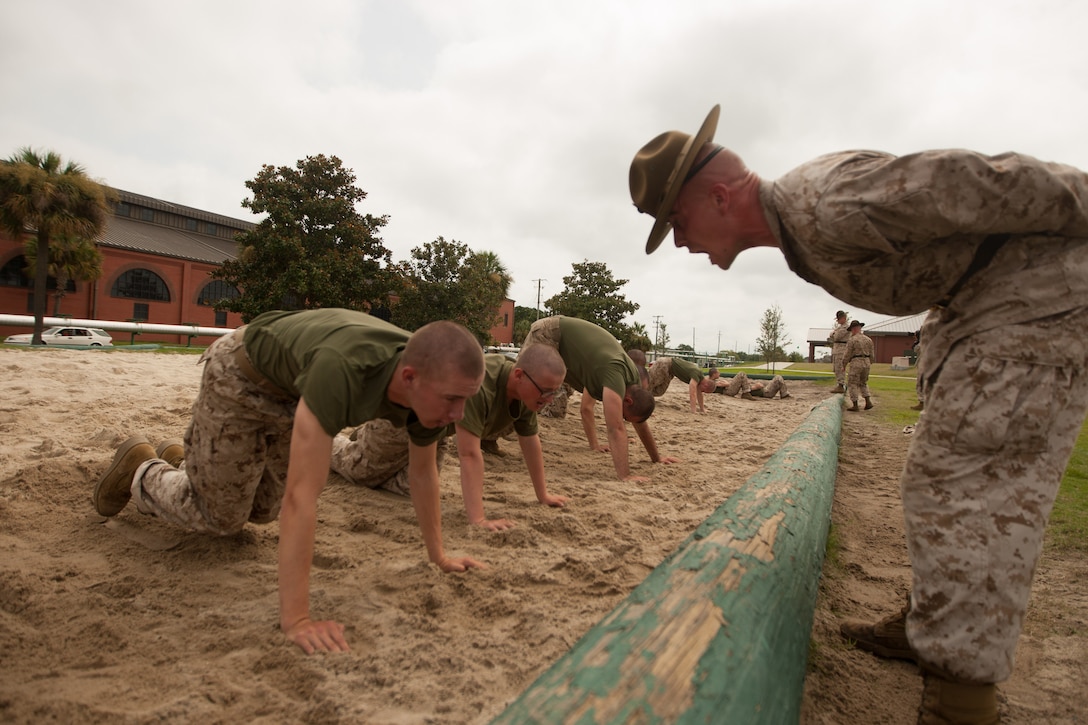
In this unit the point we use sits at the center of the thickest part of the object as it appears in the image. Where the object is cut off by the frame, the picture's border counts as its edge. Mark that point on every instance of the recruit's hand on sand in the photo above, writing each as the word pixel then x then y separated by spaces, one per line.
pixel 554 501
pixel 494 524
pixel 311 636
pixel 463 563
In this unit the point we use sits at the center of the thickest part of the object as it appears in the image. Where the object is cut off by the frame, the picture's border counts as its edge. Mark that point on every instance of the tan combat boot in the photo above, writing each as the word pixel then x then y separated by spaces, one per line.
pixel 838 389
pixel 868 404
pixel 854 406
pixel 172 451
pixel 948 702
pixel 114 489
pixel 886 638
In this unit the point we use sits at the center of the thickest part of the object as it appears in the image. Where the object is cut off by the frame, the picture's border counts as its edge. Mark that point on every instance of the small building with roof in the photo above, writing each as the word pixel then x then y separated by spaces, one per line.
pixel 891 338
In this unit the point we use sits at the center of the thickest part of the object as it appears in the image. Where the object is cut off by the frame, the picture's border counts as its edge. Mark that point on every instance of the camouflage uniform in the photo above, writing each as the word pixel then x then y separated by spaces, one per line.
pixel 930 324
pixel 776 386
pixel 375 455
pixel 238 441
pixel 859 359
pixel 838 339
pixel 1001 244
pixel 594 359
pixel 665 369
pixel 233 420
pixel 739 383
pixel 546 331
pixel 660 376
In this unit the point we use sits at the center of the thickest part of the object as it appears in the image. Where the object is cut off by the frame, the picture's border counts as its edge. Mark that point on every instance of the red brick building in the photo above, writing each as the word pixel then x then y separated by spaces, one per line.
pixel 156 267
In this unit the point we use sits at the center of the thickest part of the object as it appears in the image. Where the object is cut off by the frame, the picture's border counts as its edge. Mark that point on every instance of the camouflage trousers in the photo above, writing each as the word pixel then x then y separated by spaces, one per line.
pixel 660 376
pixel 739 383
pixel 546 332
pixel 857 378
pixel 838 363
pixel 236 452
pixel 776 386
pixel 1003 412
pixel 375 455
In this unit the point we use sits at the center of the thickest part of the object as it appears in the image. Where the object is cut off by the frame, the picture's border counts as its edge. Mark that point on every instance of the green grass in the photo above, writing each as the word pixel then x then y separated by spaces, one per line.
pixel 894 394
pixel 1068 529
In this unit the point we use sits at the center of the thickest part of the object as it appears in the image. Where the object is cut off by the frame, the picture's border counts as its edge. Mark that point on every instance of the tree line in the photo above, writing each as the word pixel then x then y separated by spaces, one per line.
pixel 313 249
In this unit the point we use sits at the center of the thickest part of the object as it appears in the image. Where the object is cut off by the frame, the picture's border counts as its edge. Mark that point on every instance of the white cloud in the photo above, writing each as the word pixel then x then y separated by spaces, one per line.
pixel 510 126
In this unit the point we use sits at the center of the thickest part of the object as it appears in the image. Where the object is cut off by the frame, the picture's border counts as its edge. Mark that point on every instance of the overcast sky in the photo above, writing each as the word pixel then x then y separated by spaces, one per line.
pixel 510 126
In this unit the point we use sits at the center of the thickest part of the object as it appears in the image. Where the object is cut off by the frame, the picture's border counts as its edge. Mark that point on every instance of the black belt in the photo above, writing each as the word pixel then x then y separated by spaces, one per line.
pixel 857 356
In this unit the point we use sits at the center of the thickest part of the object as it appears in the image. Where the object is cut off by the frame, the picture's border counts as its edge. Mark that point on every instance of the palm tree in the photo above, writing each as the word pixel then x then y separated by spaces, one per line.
pixel 49 199
pixel 496 270
pixel 70 258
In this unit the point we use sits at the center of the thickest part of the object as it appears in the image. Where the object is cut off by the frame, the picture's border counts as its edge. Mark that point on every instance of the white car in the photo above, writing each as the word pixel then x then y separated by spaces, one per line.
pixel 68 336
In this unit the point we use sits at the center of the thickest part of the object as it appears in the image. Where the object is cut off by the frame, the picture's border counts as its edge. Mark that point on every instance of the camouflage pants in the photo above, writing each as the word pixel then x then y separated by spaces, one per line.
pixel 857 378
pixel 236 452
pixel 1003 412
pixel 375 455
pixel 557 406
pixel 776 386
pixel 660 376
pixel 739 383
pixel 838 364
pixel 546 332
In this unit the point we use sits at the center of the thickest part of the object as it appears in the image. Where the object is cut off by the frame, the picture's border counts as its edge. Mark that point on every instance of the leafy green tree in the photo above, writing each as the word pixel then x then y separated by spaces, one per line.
pixel 772 338
pixel 445 280
pixel 313 249
pixel 591 293
pixel 70 258
pixel 635 337
pixel 662 338
pixel 684 347
pixel 49 199
pixel 524 317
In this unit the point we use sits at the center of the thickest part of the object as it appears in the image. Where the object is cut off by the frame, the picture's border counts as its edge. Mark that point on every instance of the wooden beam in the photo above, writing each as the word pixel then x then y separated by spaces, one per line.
pixel 719 631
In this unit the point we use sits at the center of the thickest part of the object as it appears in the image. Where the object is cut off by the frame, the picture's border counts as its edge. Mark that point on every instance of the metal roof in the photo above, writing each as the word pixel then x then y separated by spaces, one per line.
pixel 139 236
pixel 897 325
pixel 171 239
pixel 130 197
pixel 894 326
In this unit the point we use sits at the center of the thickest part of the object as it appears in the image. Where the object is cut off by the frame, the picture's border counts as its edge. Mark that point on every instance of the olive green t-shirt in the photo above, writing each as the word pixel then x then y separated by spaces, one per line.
pixel 487 414
pixel 595 360
pixel 339 361
pixel 686 370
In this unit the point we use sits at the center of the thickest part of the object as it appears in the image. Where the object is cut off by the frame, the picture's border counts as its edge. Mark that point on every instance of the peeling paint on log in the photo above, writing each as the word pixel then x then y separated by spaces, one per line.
pixel 719 631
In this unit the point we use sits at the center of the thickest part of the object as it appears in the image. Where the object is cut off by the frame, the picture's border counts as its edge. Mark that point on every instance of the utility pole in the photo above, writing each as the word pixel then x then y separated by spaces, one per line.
pixel 538 281
pixel 657 333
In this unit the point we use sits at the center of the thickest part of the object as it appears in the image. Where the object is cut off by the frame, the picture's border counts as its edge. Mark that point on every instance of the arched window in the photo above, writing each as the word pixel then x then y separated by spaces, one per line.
pixel 217 290
pixel 14 274
pixel 141 284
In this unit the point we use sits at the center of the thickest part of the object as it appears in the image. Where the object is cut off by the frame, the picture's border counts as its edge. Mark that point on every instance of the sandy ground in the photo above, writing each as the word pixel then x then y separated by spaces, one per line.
pixel 132 620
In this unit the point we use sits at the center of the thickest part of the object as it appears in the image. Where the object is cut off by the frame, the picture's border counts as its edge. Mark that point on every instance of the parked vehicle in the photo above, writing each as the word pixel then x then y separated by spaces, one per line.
pixel 67 336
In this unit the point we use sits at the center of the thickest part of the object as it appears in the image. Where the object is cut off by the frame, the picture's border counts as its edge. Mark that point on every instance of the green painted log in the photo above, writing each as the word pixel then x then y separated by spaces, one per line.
pixel 719 631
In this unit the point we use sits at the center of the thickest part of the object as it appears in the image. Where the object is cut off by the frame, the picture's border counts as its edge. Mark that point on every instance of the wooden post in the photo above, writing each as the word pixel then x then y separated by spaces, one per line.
pixel 719 631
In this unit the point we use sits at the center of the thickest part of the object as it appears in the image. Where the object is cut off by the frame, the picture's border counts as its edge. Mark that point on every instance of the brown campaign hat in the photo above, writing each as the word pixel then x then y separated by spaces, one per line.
pixel 855 323
pixel 660 168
